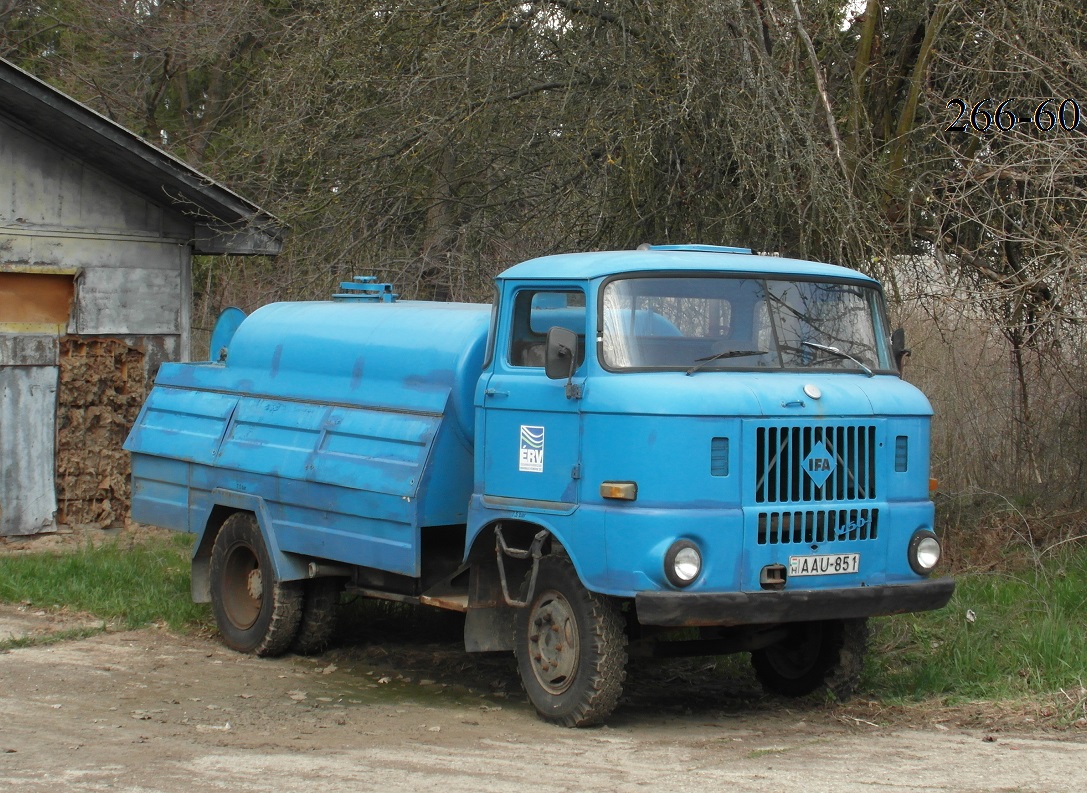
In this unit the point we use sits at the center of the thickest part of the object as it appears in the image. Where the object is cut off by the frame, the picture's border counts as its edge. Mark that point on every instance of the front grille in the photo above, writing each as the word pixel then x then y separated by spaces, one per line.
pixel 815 463
pixel 817 526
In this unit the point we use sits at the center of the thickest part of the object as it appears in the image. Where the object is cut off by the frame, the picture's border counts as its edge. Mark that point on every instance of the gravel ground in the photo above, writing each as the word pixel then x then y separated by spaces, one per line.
pixel 152 710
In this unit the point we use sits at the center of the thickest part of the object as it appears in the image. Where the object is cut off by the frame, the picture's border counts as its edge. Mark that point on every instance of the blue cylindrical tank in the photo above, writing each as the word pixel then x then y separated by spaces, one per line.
pixel 404 356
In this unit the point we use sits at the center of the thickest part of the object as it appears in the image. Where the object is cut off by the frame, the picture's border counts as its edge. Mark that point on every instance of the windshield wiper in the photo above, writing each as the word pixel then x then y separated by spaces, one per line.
pixel 839 353
pixel 721 356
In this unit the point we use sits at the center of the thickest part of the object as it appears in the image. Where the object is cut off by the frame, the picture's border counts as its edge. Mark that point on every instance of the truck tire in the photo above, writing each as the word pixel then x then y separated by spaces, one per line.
pixel 320 607
pixel 255 612
pixel 826 655
pixel 571 648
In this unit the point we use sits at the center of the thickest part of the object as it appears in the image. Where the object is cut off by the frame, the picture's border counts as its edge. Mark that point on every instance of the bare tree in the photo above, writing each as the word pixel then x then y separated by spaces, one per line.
pixel 436 141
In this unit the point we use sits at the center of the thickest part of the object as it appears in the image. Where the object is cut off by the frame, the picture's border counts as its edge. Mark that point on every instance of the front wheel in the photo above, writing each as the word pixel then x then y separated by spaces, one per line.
pixel 570 647
pixel 825 655
pixel 256 613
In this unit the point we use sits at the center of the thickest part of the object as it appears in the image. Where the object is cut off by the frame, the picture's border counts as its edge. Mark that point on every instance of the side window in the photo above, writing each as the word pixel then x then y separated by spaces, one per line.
pixel 534 313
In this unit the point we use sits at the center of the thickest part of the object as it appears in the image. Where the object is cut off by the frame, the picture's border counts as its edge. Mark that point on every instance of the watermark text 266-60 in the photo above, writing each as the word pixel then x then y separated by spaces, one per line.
pixel 1052 115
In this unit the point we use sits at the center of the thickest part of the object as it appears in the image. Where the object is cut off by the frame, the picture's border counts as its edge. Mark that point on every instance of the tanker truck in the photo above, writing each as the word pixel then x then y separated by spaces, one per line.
pixel 675 450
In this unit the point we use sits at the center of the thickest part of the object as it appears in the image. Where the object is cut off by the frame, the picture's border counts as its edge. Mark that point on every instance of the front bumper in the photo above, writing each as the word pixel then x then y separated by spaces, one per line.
pixel 800 605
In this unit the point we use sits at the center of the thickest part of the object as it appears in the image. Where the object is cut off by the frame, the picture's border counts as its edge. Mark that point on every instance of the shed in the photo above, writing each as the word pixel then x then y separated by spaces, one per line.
pixel 98 229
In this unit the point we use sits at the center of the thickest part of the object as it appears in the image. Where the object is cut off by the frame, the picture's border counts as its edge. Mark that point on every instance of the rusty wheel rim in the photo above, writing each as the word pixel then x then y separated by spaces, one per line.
pixel 243 587
pixel 553 643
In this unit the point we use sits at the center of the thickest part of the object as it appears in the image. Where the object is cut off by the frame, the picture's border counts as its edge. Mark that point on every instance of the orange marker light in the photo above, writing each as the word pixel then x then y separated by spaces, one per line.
pixel 626 491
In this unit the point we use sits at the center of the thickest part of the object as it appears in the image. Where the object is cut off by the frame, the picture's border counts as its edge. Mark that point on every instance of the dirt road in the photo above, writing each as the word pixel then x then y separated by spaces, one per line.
pixel 151 710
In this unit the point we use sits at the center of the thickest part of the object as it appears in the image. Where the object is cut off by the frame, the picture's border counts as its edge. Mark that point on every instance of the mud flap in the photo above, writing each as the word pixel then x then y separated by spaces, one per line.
pixel 489 630
pixel 489 623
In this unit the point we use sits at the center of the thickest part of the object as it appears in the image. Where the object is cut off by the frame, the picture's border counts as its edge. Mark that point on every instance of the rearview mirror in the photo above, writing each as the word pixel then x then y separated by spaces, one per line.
pixel 560 358
pixel 899 349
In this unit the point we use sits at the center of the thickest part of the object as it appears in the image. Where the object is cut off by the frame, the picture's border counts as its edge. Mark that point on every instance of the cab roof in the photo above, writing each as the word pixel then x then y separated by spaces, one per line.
pixel 677 258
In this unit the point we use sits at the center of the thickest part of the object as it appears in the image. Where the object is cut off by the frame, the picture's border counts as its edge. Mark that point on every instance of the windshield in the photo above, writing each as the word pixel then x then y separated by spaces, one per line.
pixel 698 323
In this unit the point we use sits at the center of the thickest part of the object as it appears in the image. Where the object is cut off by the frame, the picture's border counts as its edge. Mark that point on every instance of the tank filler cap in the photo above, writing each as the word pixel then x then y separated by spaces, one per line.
pixel 365 289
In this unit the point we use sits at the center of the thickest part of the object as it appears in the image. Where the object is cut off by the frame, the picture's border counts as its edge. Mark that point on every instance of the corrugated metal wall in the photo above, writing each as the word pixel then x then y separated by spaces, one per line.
pixel 28 403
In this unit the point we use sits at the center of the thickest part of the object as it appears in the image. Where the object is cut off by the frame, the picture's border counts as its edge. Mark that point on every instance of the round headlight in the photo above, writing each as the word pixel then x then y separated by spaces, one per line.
pixel 924 551
pixel 682 563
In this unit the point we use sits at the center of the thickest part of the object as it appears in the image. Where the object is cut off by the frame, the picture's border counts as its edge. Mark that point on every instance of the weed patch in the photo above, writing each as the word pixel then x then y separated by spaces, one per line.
pixel 57 637
pixel 127 584
pixel 1004 636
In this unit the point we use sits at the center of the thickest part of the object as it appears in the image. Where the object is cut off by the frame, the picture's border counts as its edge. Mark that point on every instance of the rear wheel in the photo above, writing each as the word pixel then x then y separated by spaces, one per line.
pixel 321 605
pixel 255 612
pixel 826 655
pixel 570 648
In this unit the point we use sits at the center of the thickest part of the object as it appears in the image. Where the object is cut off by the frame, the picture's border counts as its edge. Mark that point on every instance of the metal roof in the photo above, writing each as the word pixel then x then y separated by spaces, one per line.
pixel 672 258
pixel 225 222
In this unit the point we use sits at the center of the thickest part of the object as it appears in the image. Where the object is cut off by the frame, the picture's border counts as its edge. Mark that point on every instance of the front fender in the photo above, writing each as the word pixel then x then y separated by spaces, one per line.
pixel 560 524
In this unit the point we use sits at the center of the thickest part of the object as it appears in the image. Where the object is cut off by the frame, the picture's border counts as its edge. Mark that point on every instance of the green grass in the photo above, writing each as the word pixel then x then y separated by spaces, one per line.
pixel 1028 637
pixel 43 640
pixel 129 585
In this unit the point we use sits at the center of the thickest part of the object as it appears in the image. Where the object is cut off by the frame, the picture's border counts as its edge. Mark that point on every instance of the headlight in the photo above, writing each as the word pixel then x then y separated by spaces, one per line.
pixel 924 551
pixel 682 563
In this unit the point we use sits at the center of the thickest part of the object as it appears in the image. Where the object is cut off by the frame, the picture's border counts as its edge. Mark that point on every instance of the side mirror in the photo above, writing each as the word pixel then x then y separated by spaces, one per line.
pixel 899 349
pixel 560 358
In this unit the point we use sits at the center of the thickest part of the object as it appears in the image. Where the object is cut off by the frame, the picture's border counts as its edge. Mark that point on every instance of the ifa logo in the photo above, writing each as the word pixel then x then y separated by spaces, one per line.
pixel 819 464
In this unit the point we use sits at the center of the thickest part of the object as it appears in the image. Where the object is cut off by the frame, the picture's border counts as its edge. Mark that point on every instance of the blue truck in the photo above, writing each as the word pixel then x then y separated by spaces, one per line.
pixel 674 450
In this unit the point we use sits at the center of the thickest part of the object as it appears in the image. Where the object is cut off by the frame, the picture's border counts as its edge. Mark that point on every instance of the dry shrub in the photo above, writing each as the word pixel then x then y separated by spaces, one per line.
pixel 985 531
pixel 1002 424
pixel 1009 435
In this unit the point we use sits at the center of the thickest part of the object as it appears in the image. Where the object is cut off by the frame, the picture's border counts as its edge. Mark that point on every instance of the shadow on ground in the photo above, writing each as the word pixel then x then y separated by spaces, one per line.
pixel 404 646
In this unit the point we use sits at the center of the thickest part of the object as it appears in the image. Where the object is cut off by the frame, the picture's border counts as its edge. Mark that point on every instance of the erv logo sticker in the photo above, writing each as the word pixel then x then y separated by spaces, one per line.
pixel 531 449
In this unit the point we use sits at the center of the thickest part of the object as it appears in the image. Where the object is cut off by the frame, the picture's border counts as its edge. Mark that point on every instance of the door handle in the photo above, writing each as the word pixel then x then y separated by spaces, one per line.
pixel 494 392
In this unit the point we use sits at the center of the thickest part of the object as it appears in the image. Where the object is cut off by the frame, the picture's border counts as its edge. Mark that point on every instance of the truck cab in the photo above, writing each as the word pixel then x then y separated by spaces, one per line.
pixel 625 444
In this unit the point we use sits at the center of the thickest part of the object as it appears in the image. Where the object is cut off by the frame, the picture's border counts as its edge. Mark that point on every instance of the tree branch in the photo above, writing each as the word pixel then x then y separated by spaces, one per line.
pixel 599 14
pixel 820 85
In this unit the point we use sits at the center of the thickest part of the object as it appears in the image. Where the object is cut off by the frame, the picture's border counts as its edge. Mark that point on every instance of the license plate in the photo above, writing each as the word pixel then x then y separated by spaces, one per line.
pixel 825 564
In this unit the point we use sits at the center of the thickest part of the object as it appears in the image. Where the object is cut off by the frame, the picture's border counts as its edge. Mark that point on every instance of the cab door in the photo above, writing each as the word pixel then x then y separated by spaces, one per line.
pixel 532 435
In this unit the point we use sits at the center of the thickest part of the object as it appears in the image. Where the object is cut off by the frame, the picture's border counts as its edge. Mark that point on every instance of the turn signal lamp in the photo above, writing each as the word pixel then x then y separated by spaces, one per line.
pixel 624 491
